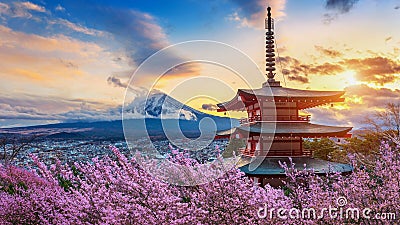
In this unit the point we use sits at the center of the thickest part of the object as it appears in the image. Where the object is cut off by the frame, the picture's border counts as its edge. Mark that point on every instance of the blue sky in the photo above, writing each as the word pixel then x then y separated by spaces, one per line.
pixel 71 60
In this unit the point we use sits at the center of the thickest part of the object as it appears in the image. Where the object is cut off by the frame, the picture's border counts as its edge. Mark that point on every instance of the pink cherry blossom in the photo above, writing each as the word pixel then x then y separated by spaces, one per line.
pixel 107 191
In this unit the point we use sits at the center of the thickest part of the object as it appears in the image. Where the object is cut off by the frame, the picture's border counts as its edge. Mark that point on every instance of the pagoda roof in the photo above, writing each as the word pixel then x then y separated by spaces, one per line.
pixel 305 98
pixel 300 129
pixel 270 166
pixel 283 92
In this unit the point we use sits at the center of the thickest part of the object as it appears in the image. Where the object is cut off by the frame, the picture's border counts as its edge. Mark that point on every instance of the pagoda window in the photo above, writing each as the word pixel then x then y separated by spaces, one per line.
pixel 253 145
pixel 286 112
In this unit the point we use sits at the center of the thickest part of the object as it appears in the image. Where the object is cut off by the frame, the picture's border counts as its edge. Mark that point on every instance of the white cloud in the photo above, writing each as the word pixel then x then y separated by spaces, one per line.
pixel 30 6
pixel 78 27
pixel 4 9
pixel 59 109
pixel 20 9
pixel 252 13
pixel 59 8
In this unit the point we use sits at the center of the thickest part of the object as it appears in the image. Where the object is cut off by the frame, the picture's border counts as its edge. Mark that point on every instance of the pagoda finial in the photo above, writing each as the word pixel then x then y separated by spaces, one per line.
pixel 269 19
pixel 270 49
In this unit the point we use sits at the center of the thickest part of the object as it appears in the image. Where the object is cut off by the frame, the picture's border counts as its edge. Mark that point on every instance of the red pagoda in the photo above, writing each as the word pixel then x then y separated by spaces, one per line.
pixel 274 128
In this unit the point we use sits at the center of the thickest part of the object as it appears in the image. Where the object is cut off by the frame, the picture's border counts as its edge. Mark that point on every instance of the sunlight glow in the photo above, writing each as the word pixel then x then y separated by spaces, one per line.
pixel 349 78
pixel 354 99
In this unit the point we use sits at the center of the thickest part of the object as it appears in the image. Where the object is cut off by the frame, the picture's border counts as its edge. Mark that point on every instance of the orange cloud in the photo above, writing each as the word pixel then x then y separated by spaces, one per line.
pixel 58 65
pixel 28 74
pixel 378 70
pixel 40 58
pixel 372 97
pixel 179 72
pixel 361 102
pixel 326 69
pixel 60 43
pixel 298 71
pixel 328 52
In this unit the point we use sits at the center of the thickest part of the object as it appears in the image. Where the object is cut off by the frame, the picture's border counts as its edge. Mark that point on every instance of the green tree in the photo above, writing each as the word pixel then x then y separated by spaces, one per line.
pixel 233 146
pixel 364 148
pixel 321 148
pixel 366 144
pixel 340 156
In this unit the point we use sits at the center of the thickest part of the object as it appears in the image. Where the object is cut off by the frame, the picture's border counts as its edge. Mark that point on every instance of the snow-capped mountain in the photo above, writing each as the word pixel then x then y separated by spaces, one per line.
pixel 160 105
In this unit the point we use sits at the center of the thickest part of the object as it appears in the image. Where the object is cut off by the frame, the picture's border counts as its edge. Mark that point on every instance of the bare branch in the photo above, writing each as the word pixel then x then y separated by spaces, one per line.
pixel 13 146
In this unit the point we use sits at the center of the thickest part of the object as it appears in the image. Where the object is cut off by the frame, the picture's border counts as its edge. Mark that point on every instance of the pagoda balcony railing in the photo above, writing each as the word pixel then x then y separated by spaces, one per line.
pixel 277 153
pixel 302 118
pixel 246 152
pixel 308 152
pixel 250 119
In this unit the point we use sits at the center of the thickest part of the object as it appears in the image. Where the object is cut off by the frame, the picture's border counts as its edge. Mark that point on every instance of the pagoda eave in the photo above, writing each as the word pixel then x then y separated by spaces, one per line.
pixel 283 92
pixel 303 130
pixel 270 166
pixel 303 98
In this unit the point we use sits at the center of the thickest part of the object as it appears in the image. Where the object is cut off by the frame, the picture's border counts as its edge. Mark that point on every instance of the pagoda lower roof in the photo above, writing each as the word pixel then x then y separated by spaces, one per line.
pixel 270 166
pixel 295 129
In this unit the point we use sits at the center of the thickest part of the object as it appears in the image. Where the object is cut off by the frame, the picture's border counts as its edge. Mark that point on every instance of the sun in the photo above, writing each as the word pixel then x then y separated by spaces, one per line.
pixel 349 78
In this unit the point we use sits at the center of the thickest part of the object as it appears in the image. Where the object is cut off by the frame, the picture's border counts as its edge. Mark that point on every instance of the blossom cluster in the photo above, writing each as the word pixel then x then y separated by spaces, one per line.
pixel 120 191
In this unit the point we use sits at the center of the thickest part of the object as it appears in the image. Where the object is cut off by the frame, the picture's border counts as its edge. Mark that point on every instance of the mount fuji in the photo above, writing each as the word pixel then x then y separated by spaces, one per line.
pixel 160 105
pixel 163 114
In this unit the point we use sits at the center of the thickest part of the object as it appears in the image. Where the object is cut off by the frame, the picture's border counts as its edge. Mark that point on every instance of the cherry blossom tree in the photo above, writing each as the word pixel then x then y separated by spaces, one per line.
pixel 120 191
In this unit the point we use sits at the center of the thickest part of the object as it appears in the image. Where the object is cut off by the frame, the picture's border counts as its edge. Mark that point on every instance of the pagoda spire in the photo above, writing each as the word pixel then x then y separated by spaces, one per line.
pixel 270 50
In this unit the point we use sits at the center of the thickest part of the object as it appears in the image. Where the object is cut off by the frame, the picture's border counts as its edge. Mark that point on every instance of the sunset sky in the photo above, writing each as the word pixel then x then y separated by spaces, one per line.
pixel 63 61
